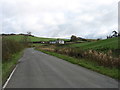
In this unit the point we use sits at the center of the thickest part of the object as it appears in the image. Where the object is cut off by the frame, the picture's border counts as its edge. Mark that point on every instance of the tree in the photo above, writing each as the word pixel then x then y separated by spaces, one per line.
pixel 73 38
pixel 115 34
pixel 118 34
pixel 29 33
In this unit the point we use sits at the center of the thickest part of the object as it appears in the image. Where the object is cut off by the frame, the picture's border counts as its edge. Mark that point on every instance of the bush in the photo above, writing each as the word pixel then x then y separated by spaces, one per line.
pixel 9 47
pixel 74 52
pixel 101 58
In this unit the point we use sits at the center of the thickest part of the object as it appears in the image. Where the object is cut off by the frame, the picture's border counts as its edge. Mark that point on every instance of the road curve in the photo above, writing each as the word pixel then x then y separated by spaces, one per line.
pixel 39 70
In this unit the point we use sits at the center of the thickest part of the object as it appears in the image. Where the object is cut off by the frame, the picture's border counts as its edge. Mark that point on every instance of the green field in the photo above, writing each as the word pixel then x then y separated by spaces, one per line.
pixel 32 39
pixel 101 45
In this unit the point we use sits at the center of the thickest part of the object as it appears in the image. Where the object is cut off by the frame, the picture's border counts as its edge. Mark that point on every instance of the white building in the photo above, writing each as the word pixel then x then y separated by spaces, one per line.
pixel 60 41
pixel 57 42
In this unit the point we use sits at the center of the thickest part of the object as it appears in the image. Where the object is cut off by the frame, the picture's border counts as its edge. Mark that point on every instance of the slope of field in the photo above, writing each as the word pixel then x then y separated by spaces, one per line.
pixel 32 39
pixel 101 45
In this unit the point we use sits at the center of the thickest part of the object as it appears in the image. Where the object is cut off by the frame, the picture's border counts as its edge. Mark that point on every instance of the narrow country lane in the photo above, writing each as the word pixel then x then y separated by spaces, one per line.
pixel 39 70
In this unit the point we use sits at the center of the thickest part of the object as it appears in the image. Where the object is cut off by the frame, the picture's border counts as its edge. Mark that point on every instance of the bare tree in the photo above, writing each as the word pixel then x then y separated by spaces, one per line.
pixel 29 33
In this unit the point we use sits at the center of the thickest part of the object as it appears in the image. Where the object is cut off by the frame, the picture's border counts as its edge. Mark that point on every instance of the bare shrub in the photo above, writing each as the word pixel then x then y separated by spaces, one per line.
pixel 101 58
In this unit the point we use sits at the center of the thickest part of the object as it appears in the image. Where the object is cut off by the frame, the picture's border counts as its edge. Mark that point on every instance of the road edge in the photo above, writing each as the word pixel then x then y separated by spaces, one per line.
pixel 10 77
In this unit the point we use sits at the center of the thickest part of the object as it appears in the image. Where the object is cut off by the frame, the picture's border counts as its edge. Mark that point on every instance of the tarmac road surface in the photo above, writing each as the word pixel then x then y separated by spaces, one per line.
pixel 39 70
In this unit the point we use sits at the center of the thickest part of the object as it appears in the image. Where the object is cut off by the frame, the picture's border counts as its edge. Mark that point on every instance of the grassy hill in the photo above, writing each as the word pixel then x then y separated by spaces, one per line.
pixel 32 39
pixel 105 44
pixel 101 46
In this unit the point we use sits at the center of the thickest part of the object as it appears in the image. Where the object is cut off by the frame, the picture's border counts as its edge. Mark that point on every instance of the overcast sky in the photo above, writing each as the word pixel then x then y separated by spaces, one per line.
pixel 60 18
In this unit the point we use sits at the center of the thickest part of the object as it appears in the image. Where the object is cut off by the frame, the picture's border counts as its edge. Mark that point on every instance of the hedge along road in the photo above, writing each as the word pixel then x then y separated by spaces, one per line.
pixel 39 70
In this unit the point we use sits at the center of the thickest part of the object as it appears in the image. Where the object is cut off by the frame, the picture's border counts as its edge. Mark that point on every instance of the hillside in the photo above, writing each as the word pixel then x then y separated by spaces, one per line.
pixel 32 39
pixel 101 45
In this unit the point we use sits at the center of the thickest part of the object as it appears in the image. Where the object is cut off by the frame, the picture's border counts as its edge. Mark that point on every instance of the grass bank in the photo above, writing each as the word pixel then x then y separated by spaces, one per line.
pixel 111 72
pixel 100 46
pixel 8 66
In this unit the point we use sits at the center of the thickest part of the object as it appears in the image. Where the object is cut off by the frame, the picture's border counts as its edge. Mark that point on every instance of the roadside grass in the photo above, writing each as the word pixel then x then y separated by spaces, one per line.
pixel 111 72
pixel 8 66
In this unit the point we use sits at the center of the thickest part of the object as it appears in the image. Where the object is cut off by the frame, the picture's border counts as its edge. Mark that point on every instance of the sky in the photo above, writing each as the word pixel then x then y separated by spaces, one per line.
pixel 60 18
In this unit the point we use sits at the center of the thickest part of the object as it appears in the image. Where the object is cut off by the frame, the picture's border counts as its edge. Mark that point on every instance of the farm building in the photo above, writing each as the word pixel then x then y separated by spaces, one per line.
pixel 57 42
pixel 60 41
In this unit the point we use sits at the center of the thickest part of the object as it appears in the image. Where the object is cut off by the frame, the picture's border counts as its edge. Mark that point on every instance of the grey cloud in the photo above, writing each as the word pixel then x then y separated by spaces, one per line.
pixel 88 20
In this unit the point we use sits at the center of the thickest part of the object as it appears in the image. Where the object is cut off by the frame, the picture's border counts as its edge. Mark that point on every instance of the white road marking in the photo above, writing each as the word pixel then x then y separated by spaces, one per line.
pixel 9 77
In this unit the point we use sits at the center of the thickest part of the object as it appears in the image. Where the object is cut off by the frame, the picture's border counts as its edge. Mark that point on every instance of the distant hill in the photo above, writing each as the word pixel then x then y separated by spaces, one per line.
pixel 32 38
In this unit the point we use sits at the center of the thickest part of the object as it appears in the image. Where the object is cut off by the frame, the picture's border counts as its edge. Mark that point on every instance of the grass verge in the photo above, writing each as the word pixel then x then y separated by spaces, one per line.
pixel 111 72
pixel 8 66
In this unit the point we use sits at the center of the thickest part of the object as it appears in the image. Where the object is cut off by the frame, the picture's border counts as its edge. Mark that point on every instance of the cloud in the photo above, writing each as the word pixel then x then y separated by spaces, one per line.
pixel 60 18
